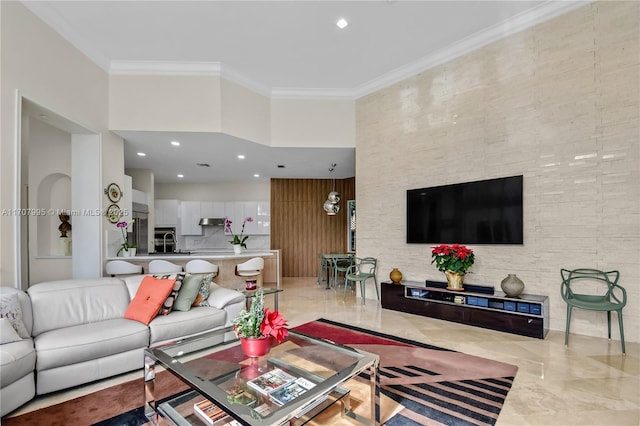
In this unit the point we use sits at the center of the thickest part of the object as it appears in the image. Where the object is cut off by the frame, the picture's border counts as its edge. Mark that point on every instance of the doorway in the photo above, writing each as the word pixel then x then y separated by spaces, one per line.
pixel 59 171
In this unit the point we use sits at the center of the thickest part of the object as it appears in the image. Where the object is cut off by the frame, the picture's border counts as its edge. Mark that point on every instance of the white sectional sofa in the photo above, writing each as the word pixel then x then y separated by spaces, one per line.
pixel 17 359
pixel 79 334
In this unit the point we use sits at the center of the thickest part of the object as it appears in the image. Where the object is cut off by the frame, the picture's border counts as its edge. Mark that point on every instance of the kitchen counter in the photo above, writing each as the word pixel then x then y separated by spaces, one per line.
pixel 208 255
pixel 226 261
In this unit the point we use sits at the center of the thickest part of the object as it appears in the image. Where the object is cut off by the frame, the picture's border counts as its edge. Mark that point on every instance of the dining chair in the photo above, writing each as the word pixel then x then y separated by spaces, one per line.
pixel 341 264
pixel 612 297
pixel 324 268
pixel 360 271
pixel 160 266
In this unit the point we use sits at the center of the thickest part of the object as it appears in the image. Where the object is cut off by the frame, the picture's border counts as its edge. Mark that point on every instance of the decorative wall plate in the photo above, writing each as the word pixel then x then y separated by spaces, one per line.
pixel 114 213
pixel 113 192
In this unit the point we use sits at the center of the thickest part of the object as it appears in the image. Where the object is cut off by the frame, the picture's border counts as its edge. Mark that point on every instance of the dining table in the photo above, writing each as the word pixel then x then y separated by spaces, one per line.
pixel 334 258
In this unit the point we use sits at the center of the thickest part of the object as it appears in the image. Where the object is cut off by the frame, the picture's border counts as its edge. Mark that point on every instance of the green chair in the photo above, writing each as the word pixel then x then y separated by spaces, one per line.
pixel 613 298
pixel 361 271
pixel 325 267
pixel 340 265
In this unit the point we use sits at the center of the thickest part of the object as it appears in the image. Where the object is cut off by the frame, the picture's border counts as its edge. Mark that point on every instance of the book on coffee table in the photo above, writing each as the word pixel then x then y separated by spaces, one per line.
pixel 291 391
pixel 271 381
pixel 210 413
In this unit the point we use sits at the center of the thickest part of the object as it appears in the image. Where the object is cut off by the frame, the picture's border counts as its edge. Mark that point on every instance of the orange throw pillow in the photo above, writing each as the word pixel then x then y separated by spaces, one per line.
pixel 149 299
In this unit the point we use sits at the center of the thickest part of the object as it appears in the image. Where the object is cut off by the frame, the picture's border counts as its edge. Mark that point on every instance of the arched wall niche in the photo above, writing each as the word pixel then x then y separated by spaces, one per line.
pixel 54 195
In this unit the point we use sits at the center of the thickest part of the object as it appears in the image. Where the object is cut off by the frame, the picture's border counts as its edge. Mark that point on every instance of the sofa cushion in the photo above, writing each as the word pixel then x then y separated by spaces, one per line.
pixel 188 292
pixel 149 299
pixel 67 303
pixel 203 291
pixel 182 324
pixel 8 334
pixel 71 345
pixel 11 310
pixel 17 359
pixel 167 306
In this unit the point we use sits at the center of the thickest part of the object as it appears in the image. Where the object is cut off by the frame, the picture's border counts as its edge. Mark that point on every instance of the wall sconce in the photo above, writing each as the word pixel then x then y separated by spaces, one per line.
pixel 331 205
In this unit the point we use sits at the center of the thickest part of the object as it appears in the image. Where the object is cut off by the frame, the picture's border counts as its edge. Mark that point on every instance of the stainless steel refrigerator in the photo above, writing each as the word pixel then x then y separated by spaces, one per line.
pixel 140 228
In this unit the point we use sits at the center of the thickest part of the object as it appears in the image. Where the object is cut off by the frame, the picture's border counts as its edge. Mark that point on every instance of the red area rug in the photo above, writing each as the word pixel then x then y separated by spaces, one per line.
pixel 432 384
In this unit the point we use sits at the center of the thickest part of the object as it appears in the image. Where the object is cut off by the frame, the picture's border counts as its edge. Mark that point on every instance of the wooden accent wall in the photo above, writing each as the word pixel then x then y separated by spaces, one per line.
pixel 301 229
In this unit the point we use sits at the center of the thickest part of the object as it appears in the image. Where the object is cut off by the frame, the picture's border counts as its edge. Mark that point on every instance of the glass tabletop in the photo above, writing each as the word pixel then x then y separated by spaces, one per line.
pixel 265 290
pixel 297 374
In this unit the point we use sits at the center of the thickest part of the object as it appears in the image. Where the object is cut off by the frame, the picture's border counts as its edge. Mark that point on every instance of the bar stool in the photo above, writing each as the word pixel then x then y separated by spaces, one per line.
pixel 159 266
pixel 251 271
pixel 122 267
pixel 199 266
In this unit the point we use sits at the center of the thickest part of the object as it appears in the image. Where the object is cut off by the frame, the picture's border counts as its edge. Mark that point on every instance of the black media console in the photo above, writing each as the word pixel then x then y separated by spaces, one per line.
pixel 479 306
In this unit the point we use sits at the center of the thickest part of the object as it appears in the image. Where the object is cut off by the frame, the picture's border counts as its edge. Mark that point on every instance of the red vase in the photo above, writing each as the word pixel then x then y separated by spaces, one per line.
pixel 255 346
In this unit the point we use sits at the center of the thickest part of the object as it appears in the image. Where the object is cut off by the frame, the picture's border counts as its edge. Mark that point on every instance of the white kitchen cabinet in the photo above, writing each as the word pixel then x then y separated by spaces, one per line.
pixel 238 211
pixel 234 211
pixel 261 215
pixel 166 213
pixel 190 215
pixel 214 209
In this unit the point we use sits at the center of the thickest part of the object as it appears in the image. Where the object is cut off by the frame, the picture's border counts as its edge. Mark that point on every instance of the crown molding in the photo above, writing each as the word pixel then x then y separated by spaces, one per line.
pixel 187 68
pixel 513 25
pixel 43 11
pixel 313 94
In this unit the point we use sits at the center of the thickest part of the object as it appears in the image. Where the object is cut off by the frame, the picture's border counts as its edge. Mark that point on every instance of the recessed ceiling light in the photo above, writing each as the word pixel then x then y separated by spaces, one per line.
pixel 180 176
pixel 256 175
pixel 241 156
pixel 175 143
pixel 142 154
pixel 342 23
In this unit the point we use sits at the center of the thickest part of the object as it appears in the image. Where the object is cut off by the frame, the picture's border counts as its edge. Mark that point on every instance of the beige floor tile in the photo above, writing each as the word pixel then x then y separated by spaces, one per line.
pixel 588 383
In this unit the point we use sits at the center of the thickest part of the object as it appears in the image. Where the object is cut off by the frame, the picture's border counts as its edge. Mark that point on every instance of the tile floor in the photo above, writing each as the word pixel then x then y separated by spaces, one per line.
pixel 589 383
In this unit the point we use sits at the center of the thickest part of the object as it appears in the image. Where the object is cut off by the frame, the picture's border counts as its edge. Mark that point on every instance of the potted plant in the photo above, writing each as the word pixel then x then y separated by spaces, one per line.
pixel 454 260
pixel 256 326
pixel 125 247
pixel 238 241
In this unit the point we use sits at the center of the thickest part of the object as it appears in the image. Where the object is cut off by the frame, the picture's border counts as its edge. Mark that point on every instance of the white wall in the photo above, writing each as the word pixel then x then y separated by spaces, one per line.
pixel 557 103
pixel 169 103
pixel 313 123
pixel 213 104
pixel 41 65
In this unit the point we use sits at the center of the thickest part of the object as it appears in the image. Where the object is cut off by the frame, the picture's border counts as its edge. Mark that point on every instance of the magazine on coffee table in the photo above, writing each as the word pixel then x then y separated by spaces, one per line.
pixel 271 381
pixel 291 391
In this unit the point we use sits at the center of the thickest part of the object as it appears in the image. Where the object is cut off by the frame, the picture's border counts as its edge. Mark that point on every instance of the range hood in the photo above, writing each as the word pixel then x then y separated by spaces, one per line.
pixel 211 221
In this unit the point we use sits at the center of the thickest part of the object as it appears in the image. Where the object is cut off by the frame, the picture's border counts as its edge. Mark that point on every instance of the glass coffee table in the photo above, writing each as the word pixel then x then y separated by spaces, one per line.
pixel 249 294
pixel 297 380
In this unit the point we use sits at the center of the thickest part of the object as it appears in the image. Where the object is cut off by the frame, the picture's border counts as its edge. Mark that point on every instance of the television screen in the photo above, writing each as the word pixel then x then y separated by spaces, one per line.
pixel 482 212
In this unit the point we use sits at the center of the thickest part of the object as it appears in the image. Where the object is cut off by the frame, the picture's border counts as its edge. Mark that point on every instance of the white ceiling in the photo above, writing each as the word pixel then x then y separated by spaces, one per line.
pixel 279 49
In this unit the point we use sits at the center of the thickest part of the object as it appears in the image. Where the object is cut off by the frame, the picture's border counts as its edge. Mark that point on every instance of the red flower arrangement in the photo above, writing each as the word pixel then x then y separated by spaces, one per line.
pixel 274 325
pixel 260 322
pixel 455 258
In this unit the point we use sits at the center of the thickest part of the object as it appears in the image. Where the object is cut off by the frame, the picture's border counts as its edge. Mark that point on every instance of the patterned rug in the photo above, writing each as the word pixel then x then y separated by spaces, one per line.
pixel 434 385
pixel 420 385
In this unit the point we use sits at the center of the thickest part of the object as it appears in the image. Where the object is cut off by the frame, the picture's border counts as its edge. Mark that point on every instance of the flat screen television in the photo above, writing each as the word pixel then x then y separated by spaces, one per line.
pixel 482 212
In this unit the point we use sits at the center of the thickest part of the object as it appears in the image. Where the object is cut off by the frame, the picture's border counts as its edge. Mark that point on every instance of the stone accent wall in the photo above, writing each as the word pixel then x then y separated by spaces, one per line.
pixel 558 103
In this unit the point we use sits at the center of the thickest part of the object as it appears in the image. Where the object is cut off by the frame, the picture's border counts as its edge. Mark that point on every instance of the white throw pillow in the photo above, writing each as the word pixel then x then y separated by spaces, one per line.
pixel 7 332
pixel 10 309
